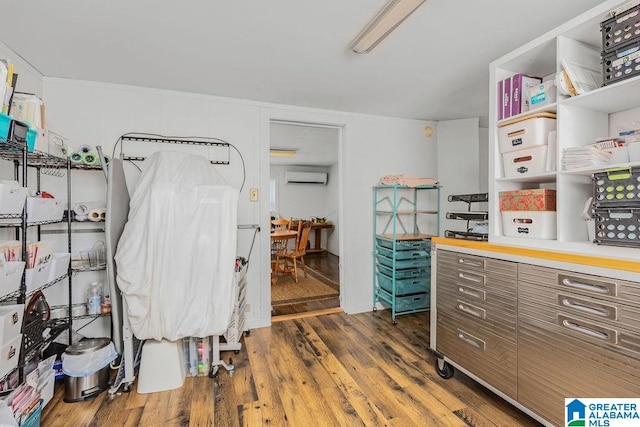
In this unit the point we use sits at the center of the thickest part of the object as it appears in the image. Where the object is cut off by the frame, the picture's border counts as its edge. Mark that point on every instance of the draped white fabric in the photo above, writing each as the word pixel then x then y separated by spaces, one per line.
pixel 176 256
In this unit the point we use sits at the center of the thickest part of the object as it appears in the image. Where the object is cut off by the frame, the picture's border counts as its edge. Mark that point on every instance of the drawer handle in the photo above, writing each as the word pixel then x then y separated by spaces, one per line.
pixel 516 133
pixel 463 336
pixel 480 313
pixel 477 279
pixel 585 286
pixel 472 263
pixel 472 293
pixel 585 330
pixel 587 309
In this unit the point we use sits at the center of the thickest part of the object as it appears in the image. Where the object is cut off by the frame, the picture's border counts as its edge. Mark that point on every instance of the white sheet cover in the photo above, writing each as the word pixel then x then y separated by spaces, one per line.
pixel 176 257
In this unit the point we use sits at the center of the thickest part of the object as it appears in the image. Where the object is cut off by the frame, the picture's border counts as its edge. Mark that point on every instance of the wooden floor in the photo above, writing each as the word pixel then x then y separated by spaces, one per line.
pixel 332 370
pixel 329 272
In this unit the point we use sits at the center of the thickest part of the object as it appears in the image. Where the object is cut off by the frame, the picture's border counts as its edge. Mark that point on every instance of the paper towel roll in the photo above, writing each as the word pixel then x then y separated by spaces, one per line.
pixel 94 215
pixel 85 149
pixel 103 214
pixel 82 217
pixel 83 208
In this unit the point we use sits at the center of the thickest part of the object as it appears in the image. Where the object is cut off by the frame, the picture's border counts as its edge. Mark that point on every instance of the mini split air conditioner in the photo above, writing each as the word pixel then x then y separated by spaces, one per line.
pixel 296 177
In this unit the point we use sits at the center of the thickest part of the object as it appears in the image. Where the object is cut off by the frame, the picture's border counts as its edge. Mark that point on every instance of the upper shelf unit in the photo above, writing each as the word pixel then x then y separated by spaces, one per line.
pixel 601 112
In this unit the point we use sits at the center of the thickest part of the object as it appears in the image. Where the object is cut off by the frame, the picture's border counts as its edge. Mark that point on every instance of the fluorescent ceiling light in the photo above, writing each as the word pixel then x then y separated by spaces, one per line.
pixel 384 23
pixel 282 152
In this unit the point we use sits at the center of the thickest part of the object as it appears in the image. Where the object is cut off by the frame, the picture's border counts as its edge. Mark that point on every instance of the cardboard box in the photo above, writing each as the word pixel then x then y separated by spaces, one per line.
pixel 528 200
pixel 543 94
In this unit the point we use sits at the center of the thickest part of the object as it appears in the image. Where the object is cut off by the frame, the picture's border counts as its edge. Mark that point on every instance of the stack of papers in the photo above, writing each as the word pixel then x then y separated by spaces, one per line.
pixel 584 157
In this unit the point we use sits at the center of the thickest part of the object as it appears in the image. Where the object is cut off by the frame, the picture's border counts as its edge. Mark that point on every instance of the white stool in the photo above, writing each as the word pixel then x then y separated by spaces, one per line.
pixel 161 366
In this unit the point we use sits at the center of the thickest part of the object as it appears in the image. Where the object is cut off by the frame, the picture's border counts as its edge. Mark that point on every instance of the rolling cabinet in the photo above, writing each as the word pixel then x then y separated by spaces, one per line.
pixel 402 260
pixel 577 336
pixel 476 303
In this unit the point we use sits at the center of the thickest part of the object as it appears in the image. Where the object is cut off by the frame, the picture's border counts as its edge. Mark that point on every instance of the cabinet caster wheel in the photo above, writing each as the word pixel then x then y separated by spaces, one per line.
pixel 394 322
pixel 444 369
pixel 126 388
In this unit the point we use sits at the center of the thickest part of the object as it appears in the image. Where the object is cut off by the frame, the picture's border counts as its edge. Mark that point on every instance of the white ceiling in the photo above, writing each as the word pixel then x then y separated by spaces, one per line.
pixel 314 145
pixel 434 66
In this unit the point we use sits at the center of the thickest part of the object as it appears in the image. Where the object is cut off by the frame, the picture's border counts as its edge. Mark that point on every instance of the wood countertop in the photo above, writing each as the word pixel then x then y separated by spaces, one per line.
pixel 595 261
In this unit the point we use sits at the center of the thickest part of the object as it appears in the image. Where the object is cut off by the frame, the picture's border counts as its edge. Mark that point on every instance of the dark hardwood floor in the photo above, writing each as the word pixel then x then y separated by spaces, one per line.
pixel 331 370
pixel 326 269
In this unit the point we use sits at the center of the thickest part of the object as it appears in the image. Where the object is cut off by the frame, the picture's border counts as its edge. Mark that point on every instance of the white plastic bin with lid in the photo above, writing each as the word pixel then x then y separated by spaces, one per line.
pixel 526 133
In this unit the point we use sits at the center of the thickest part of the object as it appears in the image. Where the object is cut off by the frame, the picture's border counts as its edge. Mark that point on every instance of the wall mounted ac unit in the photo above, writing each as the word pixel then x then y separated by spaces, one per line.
pixel 296 177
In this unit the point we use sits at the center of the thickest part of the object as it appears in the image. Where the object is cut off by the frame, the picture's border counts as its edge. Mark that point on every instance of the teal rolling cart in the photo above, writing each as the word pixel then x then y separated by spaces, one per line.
pixel 405 219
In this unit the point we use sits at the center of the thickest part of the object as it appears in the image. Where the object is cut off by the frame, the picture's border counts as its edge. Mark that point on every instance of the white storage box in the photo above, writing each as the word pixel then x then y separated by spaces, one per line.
pixel 618 155
pixel 59 265
pixel 525 162
pixel 37 277
pixel 9 355
pixel 12 199
pixel 525 133
pixel 543 94
pixel 530 224
pixel 43 209
pixel 10 277
pixel 10 322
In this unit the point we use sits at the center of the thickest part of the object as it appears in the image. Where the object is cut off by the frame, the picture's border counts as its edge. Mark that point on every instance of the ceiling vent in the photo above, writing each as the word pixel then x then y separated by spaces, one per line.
pixel 297 177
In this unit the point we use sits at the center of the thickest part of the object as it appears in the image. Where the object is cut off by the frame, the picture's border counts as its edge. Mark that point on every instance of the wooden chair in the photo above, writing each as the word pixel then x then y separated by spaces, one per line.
pixel 298 252
pixel 278 246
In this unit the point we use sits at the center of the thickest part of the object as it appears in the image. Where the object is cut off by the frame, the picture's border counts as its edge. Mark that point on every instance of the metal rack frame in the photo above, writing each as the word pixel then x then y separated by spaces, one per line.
pixel 468 216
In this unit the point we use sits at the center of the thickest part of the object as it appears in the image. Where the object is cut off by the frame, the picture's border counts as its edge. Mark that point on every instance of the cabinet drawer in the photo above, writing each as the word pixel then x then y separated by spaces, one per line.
pixel 554 365
pixel 404 286
pixel 584 284
pixel 478 264
pixel 404 264
pixel 486 355
pixel 610 313
pixel 403 255
pixel 493 315
pixel 404 274
pixel 609 336
pixel 404 245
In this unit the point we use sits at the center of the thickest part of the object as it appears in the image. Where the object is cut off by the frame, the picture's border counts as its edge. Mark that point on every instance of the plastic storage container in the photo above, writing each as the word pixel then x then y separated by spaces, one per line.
pixel 94 298
pixel 620 29
pixel 617 188
pixel 5 126
pixel 12 198
pixel 526 133
pixel 530 224
pixel 621 64
pixel 525 162
pixel 618 226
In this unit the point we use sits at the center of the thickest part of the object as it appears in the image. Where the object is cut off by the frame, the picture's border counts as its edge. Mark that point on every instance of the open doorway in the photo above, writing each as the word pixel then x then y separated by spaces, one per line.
pixel 304 189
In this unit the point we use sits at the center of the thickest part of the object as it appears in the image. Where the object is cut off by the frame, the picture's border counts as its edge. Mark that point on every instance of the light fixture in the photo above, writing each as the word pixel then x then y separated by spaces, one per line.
pixel 282 152
pixel 383 24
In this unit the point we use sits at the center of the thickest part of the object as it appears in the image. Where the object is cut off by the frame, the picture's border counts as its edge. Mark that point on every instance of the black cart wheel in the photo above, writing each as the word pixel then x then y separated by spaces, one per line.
pixel 247 333
pixel 236 351
pixel 375 309
pixel 126 388
pixel 444 369
pixel 394 322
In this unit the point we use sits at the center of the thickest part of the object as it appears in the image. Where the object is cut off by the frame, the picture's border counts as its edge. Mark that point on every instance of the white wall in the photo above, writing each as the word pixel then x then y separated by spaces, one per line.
pixel 458 161
pixel 308 200
pixel 371 147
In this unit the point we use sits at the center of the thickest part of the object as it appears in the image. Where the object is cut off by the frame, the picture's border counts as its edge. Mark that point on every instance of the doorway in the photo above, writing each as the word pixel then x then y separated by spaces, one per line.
pixel 304 182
